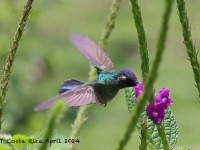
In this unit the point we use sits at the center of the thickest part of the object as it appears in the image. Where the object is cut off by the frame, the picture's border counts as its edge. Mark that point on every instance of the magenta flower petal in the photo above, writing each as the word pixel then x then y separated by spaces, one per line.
pixel 138 90
pixel 163 98
pixel 155 112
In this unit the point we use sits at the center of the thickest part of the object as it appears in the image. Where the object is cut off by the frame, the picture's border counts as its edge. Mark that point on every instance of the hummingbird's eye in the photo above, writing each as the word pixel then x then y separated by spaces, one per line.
pixel 122 77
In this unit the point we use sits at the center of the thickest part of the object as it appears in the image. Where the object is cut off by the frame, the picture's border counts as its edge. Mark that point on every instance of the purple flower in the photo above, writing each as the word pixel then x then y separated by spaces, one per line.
pixel 138 91
pixel 155 112
pixel 163 99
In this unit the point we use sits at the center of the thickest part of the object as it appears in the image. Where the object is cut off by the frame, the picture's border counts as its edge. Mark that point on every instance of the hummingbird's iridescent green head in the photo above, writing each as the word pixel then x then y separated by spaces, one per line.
pixel 126 79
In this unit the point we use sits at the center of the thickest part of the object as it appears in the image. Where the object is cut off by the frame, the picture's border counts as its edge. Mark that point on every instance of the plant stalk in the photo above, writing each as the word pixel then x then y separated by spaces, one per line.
pixel 187 35
pixel 81 115
pixel 152 76
pixel 161 131
pixel 11 56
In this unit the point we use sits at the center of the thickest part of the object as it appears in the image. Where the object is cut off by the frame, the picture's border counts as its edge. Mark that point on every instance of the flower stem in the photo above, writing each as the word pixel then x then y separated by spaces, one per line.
pixel 161 131
pixel 191 51
pixel 110 23
pixel 144 58
pixel 152 76
pixel 143 145
pixel 11 56
pixel 141 38
pixel 81 115
pixel 78 122
pixel 56 113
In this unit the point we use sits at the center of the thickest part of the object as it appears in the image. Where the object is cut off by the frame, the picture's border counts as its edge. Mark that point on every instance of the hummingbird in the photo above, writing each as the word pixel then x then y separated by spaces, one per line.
pixel 103 89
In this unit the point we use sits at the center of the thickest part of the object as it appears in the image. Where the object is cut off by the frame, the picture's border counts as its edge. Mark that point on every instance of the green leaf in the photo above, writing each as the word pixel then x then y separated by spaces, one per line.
pixel 19 141
pixel 171 131
pixel 153 138
pixel 171 128
pixel 130 95
pixel 182 148
pixel 35 140
pixel 4 147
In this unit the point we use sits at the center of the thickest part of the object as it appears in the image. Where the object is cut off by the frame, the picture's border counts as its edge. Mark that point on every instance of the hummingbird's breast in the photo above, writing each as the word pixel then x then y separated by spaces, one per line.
pixel 105 92
pixel 106 87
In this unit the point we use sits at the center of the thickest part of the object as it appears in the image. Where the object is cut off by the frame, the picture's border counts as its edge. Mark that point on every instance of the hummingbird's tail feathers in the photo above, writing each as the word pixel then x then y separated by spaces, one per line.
pixel 80 96
pixel 68 85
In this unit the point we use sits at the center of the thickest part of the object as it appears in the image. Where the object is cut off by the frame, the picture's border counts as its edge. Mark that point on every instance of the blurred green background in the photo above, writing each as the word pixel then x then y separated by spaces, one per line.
pixel 45 58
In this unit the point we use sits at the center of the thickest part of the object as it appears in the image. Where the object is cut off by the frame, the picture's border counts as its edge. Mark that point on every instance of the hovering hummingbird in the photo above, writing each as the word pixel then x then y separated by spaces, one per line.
pixel 103 89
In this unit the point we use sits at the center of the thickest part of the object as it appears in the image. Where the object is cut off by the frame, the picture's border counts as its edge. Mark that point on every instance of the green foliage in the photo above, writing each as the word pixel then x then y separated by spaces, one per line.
pixel 56 114
pixel 20 141
pixel 170 129
pixel 148 88
pixel 4 147
pixel 110 23
pixel 187 35
pixel 41 140
pixel 57 145
pixel 17 142
pixel 57 141
pixel 34 142
pixel 141 38
pixel 182 148
pixel 153 136
pixel 143 134
pixel 129 94
pixel 11 55
pixel 78 122
pixel 51 60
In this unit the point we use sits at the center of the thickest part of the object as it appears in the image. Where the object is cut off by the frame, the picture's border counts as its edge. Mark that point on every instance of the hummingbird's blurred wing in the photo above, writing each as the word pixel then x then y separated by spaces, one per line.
pixel 92 52
pixel 77 97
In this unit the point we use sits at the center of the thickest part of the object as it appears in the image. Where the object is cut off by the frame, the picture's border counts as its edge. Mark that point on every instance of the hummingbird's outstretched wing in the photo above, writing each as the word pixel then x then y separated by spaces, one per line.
pixel 80 96
pixel 92 52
